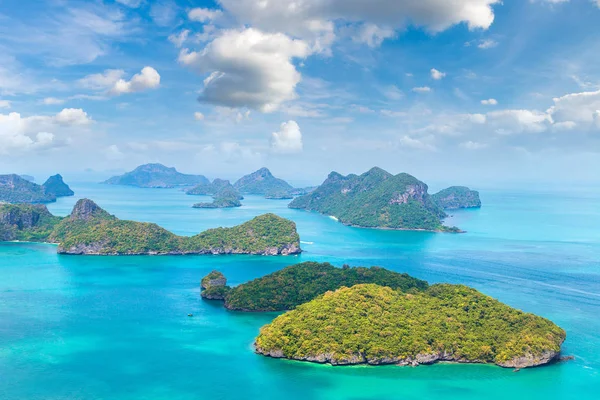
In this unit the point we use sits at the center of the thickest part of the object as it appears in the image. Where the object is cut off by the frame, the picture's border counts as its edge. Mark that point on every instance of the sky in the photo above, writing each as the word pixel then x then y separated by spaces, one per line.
pixel 473 92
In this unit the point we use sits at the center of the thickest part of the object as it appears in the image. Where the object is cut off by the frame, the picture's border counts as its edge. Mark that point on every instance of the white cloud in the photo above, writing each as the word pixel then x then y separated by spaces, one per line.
pixel 248 68
pixel 19 133
pixel 148 78
pixel 437 75
pixel 204 14
pixel 564 126
pixel 114 153
pixel 489 102
pixel 392 92
pixel 102 81
pixel 423 89
pixel 576 107
pixel 5 104
pixel 288 139
pixel 198 116
pixel 487 44
pixel 50 101
pixel 419 144
pixel 508 122
pixel 179 39
pixel 373 35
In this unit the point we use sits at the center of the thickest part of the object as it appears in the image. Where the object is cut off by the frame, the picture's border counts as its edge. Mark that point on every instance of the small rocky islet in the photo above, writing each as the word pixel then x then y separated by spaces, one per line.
pixel 345 316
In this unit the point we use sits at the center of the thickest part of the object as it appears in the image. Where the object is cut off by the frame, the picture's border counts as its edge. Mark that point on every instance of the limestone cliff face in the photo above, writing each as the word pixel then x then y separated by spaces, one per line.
pixel 214 286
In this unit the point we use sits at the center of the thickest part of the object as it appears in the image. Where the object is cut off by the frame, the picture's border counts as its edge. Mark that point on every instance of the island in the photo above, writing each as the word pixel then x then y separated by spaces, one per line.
pixel 226 198
pixel 297 284
pixel 214 286
pixel 56 186
pixel 279 195
pixel 16 189
pixel 215 188
pixel 376 199
pixel 90 230
pixel 262 182
pixel 456 197
pixel 374 324
pixel 156 176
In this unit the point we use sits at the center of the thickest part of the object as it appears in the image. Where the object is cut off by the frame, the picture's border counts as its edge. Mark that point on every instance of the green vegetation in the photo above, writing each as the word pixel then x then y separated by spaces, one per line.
pixel 57 187
pixel 262 182
pixel 218 188
pixel 214 286
pixel 91 230
pixel 297 284
pixel 226 197
pixel 378 325
pixel 376 199
pixel 156 176
pixel 457 197
pixel 14 189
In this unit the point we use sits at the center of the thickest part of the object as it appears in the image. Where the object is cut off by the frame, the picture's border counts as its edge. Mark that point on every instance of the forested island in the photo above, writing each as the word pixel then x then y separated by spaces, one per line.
pixel 376 199
pixel 16 189
pixel 226 197
pixel 456 197
pixel 375 324
pixel 91 230
pixel 156 176
pixel 262 182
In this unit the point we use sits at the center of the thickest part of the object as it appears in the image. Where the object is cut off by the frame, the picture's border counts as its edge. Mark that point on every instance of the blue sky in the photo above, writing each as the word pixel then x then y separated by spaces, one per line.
pixel 470 92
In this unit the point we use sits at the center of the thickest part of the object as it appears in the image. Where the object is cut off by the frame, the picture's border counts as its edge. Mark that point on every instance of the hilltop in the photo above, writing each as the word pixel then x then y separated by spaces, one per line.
pixel 16 189
pixel 156 176
pixel 456 197
pixel 262 182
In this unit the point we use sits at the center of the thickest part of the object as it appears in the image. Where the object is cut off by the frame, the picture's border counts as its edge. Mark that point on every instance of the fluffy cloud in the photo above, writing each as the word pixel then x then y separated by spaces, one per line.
pixel 310 15
pixel 508 122
pixel 489 102
pixel 373 35
pixel 204 14
pixel 577 107
pixel 198 116
pixel 112 81
pixel 487 44
pixel 19 133
pixel 248 68
pixel 437 75
pixel 148 78
pixel 288 139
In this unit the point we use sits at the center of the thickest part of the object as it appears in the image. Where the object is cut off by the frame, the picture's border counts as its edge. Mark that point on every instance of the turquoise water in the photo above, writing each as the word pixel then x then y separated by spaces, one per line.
pixel 117 327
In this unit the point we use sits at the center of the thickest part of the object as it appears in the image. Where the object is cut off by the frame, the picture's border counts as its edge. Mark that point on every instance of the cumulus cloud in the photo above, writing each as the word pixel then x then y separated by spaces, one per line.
pixel 248 68
pixel 288 139
pixel 113 83
pixel 19 133
pixel 489 102
pixel 204 14
pixel 577 107
pixel 437 75
pixel 508 122
pixel 373 35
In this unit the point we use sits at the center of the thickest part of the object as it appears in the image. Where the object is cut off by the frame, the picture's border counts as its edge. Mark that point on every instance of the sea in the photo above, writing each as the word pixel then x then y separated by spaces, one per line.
pixel 91 327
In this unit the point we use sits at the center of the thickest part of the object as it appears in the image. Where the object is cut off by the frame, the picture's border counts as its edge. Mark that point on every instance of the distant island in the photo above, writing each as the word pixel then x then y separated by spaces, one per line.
pixel 16 189
pixel 297 284
pixel 156 176
pixel 375 324
pixel 262 182
pixel 214 188
pixel 456 197
pixel 376 199
pixel 227 197
pixel 91 230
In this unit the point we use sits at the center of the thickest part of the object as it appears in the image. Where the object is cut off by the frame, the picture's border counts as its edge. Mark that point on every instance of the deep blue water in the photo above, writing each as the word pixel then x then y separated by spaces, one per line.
pixel 117 327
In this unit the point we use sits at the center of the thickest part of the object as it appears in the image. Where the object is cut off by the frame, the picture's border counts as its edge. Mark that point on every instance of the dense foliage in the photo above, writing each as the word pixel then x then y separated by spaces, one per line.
pixel 375 199
pixel 226 197
pixel 375 324
pixel 14 189
pixel 57 187
pixel 217 188
pixel 297 284
pixel 262 182
pixel 214 286
pixel 457 197
pixel 91 230
pixel 156 176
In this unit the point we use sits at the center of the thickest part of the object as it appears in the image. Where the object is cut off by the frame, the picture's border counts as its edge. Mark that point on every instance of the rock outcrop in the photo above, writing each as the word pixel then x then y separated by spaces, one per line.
pixel 214 286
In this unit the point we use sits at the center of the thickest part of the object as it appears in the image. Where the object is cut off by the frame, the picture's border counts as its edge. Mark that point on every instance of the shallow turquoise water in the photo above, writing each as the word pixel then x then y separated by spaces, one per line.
pixel 117 327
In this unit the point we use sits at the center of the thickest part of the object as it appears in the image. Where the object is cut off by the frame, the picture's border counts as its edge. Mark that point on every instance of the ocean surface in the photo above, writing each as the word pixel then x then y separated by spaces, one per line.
pixel 118 328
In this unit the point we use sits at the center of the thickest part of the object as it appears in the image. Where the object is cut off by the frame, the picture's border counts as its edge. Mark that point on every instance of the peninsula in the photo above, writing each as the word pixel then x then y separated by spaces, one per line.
pixel 16 189
pixel 156 176
pixel 91 230
pixel 374 324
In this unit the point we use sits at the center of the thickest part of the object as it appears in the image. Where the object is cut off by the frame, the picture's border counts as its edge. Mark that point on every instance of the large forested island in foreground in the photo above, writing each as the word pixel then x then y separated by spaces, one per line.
pixel 91 230
pixel 156 176
pixel 373 324
pixel 376 199
pixel 16 189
